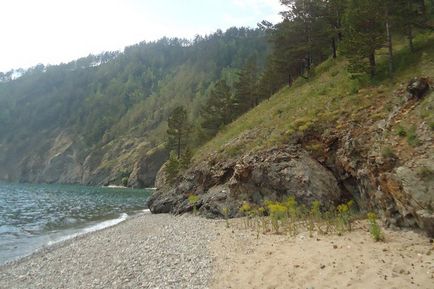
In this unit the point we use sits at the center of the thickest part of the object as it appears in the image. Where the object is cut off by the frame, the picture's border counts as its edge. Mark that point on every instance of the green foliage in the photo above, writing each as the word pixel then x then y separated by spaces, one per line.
pixel 185 160
pixel 278 212
pixel 124 181
pixel 400 131
pixel 246 91
pixel 374 228
pixel 178 131
pixel 226 216
pixel 193 200
pixel 412 138
pixel 345 216
pixel 219 110
pixel 387 152
pixel 172 168
pixel 116 96
pixel 364 34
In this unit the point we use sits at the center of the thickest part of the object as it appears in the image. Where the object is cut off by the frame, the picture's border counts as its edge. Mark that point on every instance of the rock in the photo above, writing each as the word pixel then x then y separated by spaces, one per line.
pixel 273 174
pixel 146 168
pixel 418 87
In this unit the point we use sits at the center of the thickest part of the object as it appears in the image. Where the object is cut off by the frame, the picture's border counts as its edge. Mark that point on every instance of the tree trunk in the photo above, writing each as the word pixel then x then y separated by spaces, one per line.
pixel 410 37
pixel 334 47
pixel 178 148
pixel 372 64
pixel 410 29
pixel 389 43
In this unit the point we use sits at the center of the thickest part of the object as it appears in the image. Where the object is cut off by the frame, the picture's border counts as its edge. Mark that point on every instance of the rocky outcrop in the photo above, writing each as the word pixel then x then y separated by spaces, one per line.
pixel 271 174
pixel 363 159
pixel 65 158
pixel 146 168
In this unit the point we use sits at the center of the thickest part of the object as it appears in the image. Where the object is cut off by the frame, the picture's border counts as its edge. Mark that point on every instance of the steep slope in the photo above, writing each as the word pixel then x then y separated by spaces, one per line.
pixel 331 138
pixel 102 119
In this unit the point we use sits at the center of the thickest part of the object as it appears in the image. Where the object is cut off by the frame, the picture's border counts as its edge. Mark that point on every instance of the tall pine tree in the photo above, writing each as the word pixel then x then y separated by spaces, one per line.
pixel 364 34
pixel 178 130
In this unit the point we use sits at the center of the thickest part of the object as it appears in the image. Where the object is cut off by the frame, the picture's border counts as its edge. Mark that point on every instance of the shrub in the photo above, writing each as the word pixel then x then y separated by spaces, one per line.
pixel 401 131
pixel 278 212
pixel 314 216
pixel 344 216
pixel 192 200
pixel 388 153
pixel 246 210
pixel 226 216
pixel 374 228
pixel 412 137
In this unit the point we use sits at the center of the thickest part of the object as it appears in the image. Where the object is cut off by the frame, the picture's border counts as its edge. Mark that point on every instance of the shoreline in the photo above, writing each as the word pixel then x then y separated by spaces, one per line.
pixel 145 251
pixel 166 251
pixel 65 240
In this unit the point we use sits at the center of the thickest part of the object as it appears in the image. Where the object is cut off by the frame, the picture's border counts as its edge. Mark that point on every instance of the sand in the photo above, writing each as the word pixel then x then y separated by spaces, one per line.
pixel 354 260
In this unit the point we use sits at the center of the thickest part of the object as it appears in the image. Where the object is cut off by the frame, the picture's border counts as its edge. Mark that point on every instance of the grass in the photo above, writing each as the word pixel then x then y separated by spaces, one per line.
pixel 289 218
pixel 374 228
pixel 331 98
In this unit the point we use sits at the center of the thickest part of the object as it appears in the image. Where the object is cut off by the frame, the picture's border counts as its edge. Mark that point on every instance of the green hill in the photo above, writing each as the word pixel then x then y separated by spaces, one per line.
pixel 103 118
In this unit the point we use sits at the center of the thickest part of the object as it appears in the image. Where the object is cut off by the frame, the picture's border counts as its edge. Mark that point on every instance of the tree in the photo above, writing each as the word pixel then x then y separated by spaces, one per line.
pixel 364 33
pixel 246 96
pixel 178 130
pixel 219 109
pixel 334 14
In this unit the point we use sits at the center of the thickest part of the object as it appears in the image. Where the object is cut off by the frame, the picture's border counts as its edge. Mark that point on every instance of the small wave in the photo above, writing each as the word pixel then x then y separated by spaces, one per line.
pixel 93 228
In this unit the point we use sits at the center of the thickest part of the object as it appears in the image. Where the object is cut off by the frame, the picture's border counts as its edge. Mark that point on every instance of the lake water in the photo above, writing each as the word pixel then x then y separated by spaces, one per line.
pixel 34 216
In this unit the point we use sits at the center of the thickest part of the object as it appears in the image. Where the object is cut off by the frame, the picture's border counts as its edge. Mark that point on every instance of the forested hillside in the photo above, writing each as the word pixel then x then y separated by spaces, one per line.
pixel 96 119
pixel 354 122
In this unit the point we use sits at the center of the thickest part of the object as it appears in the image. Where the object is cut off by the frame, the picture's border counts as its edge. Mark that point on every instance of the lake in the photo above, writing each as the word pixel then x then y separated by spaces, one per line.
pixel 33 216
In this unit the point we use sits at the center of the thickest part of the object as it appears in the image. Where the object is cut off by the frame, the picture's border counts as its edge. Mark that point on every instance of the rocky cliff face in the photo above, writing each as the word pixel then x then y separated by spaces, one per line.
pixel 365 160
pixel 65 159
pixel 271 174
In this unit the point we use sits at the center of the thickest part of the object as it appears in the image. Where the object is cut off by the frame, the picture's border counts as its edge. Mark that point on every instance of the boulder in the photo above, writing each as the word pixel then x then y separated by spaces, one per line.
pixel 272 174
pixel 418 87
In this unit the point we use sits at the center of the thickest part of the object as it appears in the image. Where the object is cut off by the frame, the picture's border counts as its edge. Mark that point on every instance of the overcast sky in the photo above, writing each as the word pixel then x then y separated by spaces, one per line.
pixel 54 31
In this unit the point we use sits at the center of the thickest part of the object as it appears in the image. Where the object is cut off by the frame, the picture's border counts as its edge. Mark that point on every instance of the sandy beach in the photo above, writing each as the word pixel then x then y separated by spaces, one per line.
pixel 164 251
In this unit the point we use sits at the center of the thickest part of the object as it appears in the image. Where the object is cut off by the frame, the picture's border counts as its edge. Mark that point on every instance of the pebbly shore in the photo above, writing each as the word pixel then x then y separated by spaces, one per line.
pixel 146 251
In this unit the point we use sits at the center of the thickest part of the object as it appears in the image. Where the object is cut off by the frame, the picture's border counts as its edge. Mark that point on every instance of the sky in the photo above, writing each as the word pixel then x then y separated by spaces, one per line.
pixel 55 31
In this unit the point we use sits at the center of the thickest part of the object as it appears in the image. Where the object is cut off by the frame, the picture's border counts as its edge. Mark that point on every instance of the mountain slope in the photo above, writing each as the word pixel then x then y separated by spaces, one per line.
pixel 367 137
pixel 102 119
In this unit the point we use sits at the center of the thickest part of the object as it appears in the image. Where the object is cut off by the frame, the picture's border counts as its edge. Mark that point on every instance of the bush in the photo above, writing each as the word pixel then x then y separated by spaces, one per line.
pixel 192 200
pixel 412 137
pixel 278 212
pixel 374 228
pixel 388 153
pixel 400 131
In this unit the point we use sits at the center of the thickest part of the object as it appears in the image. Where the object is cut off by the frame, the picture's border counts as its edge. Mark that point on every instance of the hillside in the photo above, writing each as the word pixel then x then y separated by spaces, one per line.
pixel 103 119
pixel 331 138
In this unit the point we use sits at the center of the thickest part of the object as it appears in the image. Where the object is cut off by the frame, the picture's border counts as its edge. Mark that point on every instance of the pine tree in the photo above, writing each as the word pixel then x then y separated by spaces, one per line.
pixel 178 130
pixel 246 95
pixel 172 168
pixel 364 33
pixel 219 109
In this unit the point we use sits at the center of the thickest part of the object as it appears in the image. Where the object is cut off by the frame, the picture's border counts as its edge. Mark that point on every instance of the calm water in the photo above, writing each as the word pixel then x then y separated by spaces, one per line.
pixel 33 216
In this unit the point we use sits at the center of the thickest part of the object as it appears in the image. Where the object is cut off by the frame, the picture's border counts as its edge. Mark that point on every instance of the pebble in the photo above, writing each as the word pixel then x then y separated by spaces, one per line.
pixel 148 251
